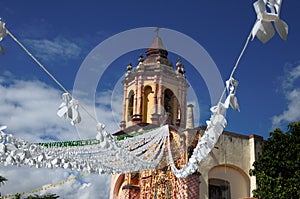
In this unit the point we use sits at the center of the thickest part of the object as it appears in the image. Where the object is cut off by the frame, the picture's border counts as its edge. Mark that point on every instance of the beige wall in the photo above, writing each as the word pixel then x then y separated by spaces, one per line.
pixel 231 160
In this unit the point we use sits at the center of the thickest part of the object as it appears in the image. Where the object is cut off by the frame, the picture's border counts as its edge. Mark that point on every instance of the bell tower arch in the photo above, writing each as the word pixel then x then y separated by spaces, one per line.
pixel 155 92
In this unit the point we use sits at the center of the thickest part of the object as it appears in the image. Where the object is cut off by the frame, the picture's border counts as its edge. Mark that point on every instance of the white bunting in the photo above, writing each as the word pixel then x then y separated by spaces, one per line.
pixel 142 150
pixel 3 31
pixel 69 109
pixel 231 99
pixel 263 28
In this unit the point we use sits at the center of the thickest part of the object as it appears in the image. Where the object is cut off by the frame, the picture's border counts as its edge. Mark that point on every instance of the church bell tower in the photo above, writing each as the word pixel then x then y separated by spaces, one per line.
pixel 155 92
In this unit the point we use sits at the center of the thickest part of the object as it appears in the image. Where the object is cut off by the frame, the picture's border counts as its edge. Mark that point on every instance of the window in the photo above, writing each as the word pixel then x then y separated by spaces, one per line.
pixel 219 189
pixel 130 105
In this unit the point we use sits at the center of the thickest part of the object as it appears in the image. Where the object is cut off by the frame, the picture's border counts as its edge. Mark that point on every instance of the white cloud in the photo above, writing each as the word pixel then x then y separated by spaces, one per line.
pixel 291 75
pixel 51 50
pixel 24 179
pixel 29 108
pixel 108 110
pixel 292 94
pixel 292 112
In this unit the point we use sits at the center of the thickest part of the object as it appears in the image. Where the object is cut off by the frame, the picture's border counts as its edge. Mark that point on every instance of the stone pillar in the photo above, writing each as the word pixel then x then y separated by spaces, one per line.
pixel 159 97
pixel 139 96
pixel 252 159
pixel 125 102
pixel 155 87
pixel 183 110
pixel 190 117
pixel 137 116
pixel 179 107
pixel 255 148
pixel 135 96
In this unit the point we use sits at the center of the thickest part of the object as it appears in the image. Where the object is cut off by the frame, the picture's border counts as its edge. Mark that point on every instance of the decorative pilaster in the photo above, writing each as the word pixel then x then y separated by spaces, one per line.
pixel 155 94
pixel 139 95
pixel 184 102
pixel 159 96
pixel 137 116
pixel 125 108
pixel 135 96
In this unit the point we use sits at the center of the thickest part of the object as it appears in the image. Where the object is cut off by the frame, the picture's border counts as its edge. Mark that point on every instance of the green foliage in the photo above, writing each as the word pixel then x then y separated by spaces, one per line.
pixel 277 170
pixel 48 196
pixel 70 143
pixel 122 137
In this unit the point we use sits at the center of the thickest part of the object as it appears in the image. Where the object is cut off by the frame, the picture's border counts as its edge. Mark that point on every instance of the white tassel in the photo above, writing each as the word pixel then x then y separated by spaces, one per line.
pixel 69 109
pixel 263 28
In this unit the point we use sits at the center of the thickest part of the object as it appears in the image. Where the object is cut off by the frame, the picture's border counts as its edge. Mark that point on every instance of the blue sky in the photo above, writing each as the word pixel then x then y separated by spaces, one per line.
pixel 62 34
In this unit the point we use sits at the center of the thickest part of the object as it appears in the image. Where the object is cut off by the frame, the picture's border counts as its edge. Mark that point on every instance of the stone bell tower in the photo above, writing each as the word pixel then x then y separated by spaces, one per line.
pixel 153 91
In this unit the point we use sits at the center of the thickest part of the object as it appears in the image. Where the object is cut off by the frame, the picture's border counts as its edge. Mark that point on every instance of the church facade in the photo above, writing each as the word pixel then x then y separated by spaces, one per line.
pixel 155 93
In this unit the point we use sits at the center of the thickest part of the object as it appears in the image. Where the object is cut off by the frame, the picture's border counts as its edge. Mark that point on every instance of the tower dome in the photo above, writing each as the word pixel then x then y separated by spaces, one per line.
pixel 157 53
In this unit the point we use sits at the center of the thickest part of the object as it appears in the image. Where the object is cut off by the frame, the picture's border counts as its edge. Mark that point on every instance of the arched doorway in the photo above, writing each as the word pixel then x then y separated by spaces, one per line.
pixel 229 182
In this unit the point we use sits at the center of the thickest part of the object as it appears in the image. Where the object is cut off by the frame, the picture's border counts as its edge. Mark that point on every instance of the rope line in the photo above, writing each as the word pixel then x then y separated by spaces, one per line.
pixel 236 64
pixel 89 114
pixel 39 63
pixel 65 90
pixel 44 188
pixel 46 71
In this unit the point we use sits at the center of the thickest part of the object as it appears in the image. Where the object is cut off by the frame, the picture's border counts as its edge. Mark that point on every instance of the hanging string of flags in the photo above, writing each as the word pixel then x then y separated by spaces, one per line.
pixel 3 32
pixel 145 150
pixel 2 35
pixel 69 109
pixel 44 188
pixel 231 100
pixel 263 28
pixel 70 104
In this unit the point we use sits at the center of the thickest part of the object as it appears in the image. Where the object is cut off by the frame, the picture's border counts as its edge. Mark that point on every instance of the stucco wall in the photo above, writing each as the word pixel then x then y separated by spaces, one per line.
pixel 231 160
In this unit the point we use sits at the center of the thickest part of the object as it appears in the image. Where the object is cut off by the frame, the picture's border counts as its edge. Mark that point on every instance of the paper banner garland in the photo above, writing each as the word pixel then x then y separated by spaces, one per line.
pixel 143 150
pixel 3 31
pixel 93 156
pixel 69 109
pixel 263 28
pixel 44 188
pixel 231 86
